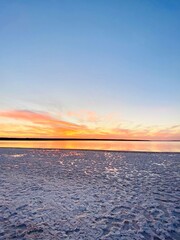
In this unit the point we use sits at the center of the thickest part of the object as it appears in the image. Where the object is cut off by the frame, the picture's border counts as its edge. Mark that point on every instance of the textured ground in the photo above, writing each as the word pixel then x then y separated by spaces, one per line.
pixel 63 194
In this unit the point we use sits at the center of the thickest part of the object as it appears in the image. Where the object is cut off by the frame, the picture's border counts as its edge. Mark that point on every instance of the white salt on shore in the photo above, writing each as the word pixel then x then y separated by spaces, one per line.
pixel 63 194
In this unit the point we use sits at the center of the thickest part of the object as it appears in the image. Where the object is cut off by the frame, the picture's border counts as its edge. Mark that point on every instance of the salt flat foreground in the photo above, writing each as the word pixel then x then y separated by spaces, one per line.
pixel 63 194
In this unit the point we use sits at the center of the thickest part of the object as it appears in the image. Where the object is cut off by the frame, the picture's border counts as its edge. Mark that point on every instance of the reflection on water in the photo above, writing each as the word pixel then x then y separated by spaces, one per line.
pixel 97 145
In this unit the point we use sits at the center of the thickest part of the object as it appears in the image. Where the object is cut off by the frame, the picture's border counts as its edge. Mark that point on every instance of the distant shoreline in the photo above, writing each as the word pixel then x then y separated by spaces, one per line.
pixel 84 139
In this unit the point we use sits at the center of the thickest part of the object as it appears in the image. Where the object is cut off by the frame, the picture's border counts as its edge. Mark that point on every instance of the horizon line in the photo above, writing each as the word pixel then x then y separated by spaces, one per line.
pixel 83 139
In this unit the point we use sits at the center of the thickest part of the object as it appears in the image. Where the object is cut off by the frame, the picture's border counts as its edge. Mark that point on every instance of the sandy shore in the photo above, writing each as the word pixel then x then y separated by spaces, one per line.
pixel 63 194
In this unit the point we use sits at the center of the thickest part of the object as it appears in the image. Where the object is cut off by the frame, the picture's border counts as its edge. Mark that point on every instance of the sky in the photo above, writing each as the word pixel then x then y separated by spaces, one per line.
pixel 99 68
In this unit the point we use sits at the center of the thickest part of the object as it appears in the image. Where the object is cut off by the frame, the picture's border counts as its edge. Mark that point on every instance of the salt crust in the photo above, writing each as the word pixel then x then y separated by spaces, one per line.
pixel 63 194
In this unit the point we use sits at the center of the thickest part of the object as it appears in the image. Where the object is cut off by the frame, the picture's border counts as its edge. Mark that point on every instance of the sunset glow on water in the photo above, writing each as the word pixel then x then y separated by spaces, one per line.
pixel 143 146
pixel 90 120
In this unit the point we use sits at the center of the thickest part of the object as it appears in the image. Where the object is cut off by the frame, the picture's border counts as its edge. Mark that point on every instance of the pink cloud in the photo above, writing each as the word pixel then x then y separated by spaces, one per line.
pixel 44 125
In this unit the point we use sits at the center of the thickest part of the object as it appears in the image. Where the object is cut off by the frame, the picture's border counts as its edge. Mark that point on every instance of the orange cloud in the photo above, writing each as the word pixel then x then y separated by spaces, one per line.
pixel 24 123
pixel 33 124
pixel 34 117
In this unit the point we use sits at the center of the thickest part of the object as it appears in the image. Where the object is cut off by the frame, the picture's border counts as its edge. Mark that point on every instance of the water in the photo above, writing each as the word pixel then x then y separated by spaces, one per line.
pixel 97 145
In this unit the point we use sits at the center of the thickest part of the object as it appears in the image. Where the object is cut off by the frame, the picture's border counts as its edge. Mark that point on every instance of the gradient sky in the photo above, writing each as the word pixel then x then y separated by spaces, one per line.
pixel 99 68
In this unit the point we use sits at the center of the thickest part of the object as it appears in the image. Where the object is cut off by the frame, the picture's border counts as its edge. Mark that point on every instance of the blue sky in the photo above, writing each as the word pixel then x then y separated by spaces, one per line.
pixel 108 57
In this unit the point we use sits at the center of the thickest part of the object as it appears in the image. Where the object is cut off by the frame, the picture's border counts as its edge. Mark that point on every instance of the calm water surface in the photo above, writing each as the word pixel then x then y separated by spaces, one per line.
pixel 97 145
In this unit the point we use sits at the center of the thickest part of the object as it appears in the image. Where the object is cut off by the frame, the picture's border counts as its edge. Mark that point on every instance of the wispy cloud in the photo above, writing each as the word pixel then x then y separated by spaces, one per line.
pixel 34 117
pixel 37 123
pixel 25 123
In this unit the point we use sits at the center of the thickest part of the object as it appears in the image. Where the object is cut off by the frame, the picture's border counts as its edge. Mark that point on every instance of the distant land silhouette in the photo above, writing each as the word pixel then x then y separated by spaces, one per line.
pixel 81 139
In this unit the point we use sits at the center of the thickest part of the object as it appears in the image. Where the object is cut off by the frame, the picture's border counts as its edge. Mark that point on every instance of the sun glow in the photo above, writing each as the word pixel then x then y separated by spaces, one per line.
pixel 18 123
